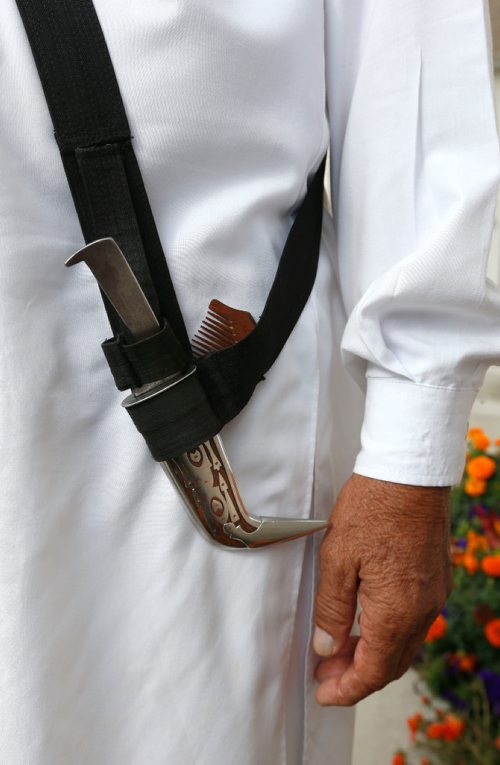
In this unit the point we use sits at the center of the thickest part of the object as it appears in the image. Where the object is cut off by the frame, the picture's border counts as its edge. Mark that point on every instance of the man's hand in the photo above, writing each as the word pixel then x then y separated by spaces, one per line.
pixel 389 544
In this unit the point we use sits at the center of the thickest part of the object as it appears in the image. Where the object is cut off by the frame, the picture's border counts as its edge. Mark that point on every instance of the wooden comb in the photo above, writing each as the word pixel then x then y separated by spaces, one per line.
pixel 222 326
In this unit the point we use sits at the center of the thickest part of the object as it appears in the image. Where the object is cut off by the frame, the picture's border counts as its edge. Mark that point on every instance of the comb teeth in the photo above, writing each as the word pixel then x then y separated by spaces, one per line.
pixel 222 327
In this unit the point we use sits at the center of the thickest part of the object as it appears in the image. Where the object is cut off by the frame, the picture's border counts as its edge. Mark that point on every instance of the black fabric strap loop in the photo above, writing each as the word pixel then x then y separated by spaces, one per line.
pixel 93 136
pixel 124 374
pixel 145 361
pixel 160 418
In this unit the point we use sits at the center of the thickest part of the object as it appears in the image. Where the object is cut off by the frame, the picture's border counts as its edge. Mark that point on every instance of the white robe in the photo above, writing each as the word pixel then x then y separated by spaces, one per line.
pixel 125 638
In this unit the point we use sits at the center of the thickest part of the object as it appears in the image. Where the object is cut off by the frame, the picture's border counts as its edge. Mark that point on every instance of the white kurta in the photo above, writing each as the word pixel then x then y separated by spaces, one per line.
pixel 125 638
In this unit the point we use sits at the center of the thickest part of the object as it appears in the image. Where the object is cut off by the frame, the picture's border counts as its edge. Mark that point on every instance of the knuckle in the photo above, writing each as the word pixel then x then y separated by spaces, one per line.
pixel 395 629
pixel 333 609
pixel 374 680
pixel 352 700
pixel 346 697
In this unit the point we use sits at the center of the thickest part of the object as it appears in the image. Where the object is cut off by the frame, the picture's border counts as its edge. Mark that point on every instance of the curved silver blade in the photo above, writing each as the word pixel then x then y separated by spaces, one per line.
pixel 117 280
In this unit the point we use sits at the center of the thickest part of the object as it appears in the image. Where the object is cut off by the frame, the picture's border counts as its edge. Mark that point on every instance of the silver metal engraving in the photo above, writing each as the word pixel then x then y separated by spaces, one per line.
pixel 209 491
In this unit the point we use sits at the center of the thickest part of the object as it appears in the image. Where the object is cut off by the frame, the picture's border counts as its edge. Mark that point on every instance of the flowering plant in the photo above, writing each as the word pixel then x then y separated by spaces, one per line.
pixel 460 660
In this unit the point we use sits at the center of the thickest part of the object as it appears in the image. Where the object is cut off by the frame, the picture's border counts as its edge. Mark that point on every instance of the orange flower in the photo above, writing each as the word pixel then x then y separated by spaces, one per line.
pixel 480 441
pixel 478 438
pixel 473 432
pixel 474 487
pixel 437 629
pixel 464 661
pixel 414 724
pixel 476 541
pixel 467 662
pixel 435 730
pixel 481 467
pixel 491 565
pixel 453 727
pixel 492 632
pixel 457 557
pixel 470 563
pixel 425 761
pixel 399 759
pixel 497 441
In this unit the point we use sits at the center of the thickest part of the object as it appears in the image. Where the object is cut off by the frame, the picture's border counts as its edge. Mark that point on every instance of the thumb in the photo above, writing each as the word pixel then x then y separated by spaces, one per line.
pixel 336 597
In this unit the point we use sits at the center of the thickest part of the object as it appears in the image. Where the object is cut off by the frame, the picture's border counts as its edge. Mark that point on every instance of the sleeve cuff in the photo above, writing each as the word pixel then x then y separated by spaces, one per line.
pixel 414 434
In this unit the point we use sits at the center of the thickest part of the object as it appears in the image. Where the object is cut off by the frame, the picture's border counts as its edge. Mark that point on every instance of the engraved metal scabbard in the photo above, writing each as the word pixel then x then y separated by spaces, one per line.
pixel 207 485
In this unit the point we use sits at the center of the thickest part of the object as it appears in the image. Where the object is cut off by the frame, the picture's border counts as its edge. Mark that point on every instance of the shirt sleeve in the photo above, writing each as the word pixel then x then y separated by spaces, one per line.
pixel 415 168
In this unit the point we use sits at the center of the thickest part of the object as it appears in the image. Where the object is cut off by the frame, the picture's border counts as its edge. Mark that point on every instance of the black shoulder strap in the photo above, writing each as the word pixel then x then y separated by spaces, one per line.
pixel 93 136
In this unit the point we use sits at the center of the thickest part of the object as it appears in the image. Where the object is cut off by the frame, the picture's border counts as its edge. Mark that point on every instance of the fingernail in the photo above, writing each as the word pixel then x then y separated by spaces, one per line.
pixel 323 643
